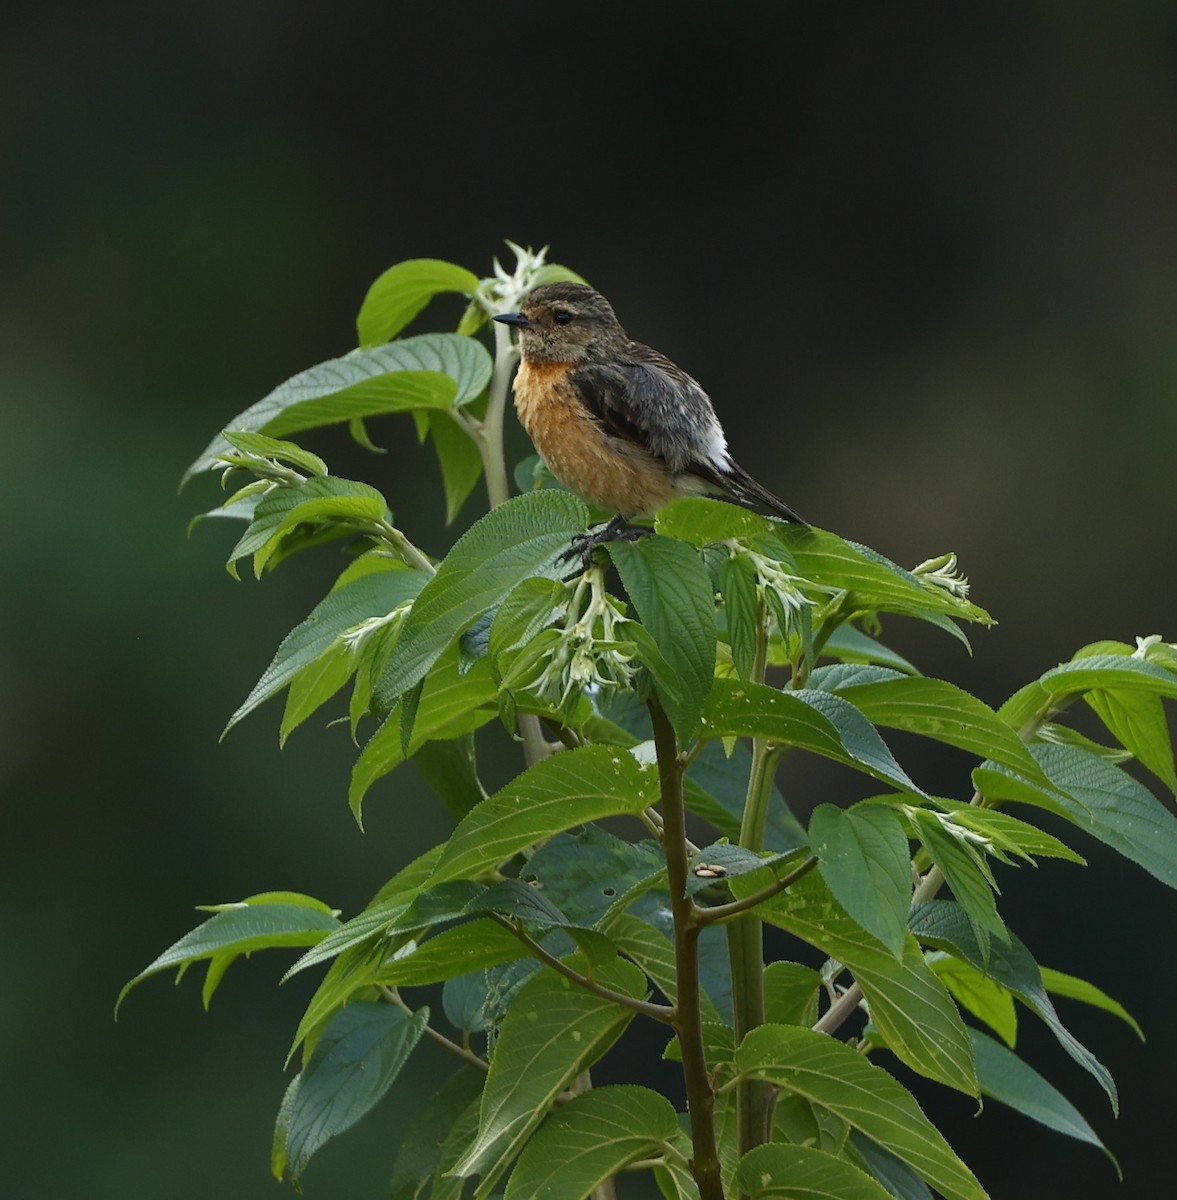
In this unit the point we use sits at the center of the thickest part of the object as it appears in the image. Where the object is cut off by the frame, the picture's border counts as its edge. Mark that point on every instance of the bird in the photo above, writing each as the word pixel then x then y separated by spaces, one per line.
pixel 615 421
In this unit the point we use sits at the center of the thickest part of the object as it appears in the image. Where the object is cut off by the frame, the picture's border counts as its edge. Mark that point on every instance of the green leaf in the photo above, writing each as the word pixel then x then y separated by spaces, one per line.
pixel 908 1004
pixel 872 582
pixel 313 686
pixel 344 608
pixel 356 1061
pixel 675 602
pixel 1007 1079
pixel 1074 988
pixel 551 1033
pixel 420 1151
pixel 458 457
pixel 1108 671
pixel 401 292
pixel 435 370
pixel 725 861
pixel 452 952
pixel 811 719
pixel 791 992
pixel 939 710
pixel 982 996
pixel 589 1139
pixel 451 705
pixel 741 610
pixel 787 1172
pixel 1008 834
pixel 258 445
pixel 943 924
pixel 555 794
pixel 700 521
pixel 1099 798
pixel 964 871
pixel 865 860
pixel 838 1078
pixel 523 537
pixel 716 787
pixel 894 1174
pixel 1137 720
pixel 653 952
pixel 241 930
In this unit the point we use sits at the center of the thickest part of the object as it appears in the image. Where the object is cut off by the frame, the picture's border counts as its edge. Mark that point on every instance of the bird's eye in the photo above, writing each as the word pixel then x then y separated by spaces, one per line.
pixel 561 316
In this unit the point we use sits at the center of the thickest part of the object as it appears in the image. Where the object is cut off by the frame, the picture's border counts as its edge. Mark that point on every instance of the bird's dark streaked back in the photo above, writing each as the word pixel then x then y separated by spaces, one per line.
pixel 617 422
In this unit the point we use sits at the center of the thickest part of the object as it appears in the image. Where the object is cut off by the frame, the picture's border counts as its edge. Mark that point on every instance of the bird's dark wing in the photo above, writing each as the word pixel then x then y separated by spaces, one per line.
pixel 642 397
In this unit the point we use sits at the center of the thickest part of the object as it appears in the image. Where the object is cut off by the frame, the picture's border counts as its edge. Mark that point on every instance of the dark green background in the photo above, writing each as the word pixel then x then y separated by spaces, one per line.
pixel 923 258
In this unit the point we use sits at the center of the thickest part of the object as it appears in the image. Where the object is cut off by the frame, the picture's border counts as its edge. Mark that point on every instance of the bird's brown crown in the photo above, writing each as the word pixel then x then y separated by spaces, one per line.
pixel 569 323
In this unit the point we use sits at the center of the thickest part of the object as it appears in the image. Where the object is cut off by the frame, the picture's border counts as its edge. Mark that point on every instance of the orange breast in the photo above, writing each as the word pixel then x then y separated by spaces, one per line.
pixel 605 470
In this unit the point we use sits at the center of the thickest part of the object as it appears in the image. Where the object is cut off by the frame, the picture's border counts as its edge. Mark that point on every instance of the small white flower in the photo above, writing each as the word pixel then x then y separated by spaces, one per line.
pixel 773 580
pixel 942 573
pixel 506 290
pixel 1143 644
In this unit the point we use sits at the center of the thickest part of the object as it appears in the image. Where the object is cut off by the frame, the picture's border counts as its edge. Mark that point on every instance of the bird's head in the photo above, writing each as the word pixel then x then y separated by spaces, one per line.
pixel 565 323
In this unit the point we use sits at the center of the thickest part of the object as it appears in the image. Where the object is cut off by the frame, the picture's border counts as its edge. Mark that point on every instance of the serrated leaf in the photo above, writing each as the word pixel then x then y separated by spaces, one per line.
pixel 434 370
pixel 908 1004
pixel 314 685
pixel 943 924
pixel 653 952
pixel 241 931
pixel 675 602
pixel 863 856
pixel 555 794
pixel 1108 671
pixel 838 1078
pixel 523 537
pixel 1099 798
pixel 724 860
pixel 1009 1080
pixel 589 1139
pixel 939 710
pixel 1073 988
pixel 700 521
pixel 552 1032
pixel 400 293
pixel 356 1061
pixel 783 1172
pixel 371 595
pixel 810 719
pixel 873 583
pixel 894 1174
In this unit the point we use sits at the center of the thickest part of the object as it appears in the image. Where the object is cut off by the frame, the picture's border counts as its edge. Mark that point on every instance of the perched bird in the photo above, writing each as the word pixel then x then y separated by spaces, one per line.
pixel 616 422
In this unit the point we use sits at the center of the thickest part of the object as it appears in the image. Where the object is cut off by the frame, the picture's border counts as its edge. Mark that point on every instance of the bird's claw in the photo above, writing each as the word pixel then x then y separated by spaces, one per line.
pixel 617 530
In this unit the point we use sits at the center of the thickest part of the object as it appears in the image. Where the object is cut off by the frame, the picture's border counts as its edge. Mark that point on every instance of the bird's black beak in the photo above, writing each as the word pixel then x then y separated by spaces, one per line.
pixel 514 319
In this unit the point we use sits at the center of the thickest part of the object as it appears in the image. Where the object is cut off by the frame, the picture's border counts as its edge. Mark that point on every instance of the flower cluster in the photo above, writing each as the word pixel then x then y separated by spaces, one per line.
pixel 359 635
pixel 589 654
pixel 506 289
pixel 780 590
pixel 942 573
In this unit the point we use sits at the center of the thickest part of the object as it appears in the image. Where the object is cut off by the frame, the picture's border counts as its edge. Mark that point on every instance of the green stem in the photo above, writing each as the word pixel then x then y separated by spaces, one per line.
pixel 490 441
pixel 660 1012
pixel 688 1013
pixel 745 934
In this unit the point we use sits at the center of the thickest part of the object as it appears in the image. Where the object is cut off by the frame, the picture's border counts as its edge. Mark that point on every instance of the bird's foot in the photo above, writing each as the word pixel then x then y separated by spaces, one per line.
pixel 617 530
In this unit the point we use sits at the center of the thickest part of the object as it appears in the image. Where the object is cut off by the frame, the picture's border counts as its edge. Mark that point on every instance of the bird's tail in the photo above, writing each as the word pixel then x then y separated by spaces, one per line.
pixel 744 489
